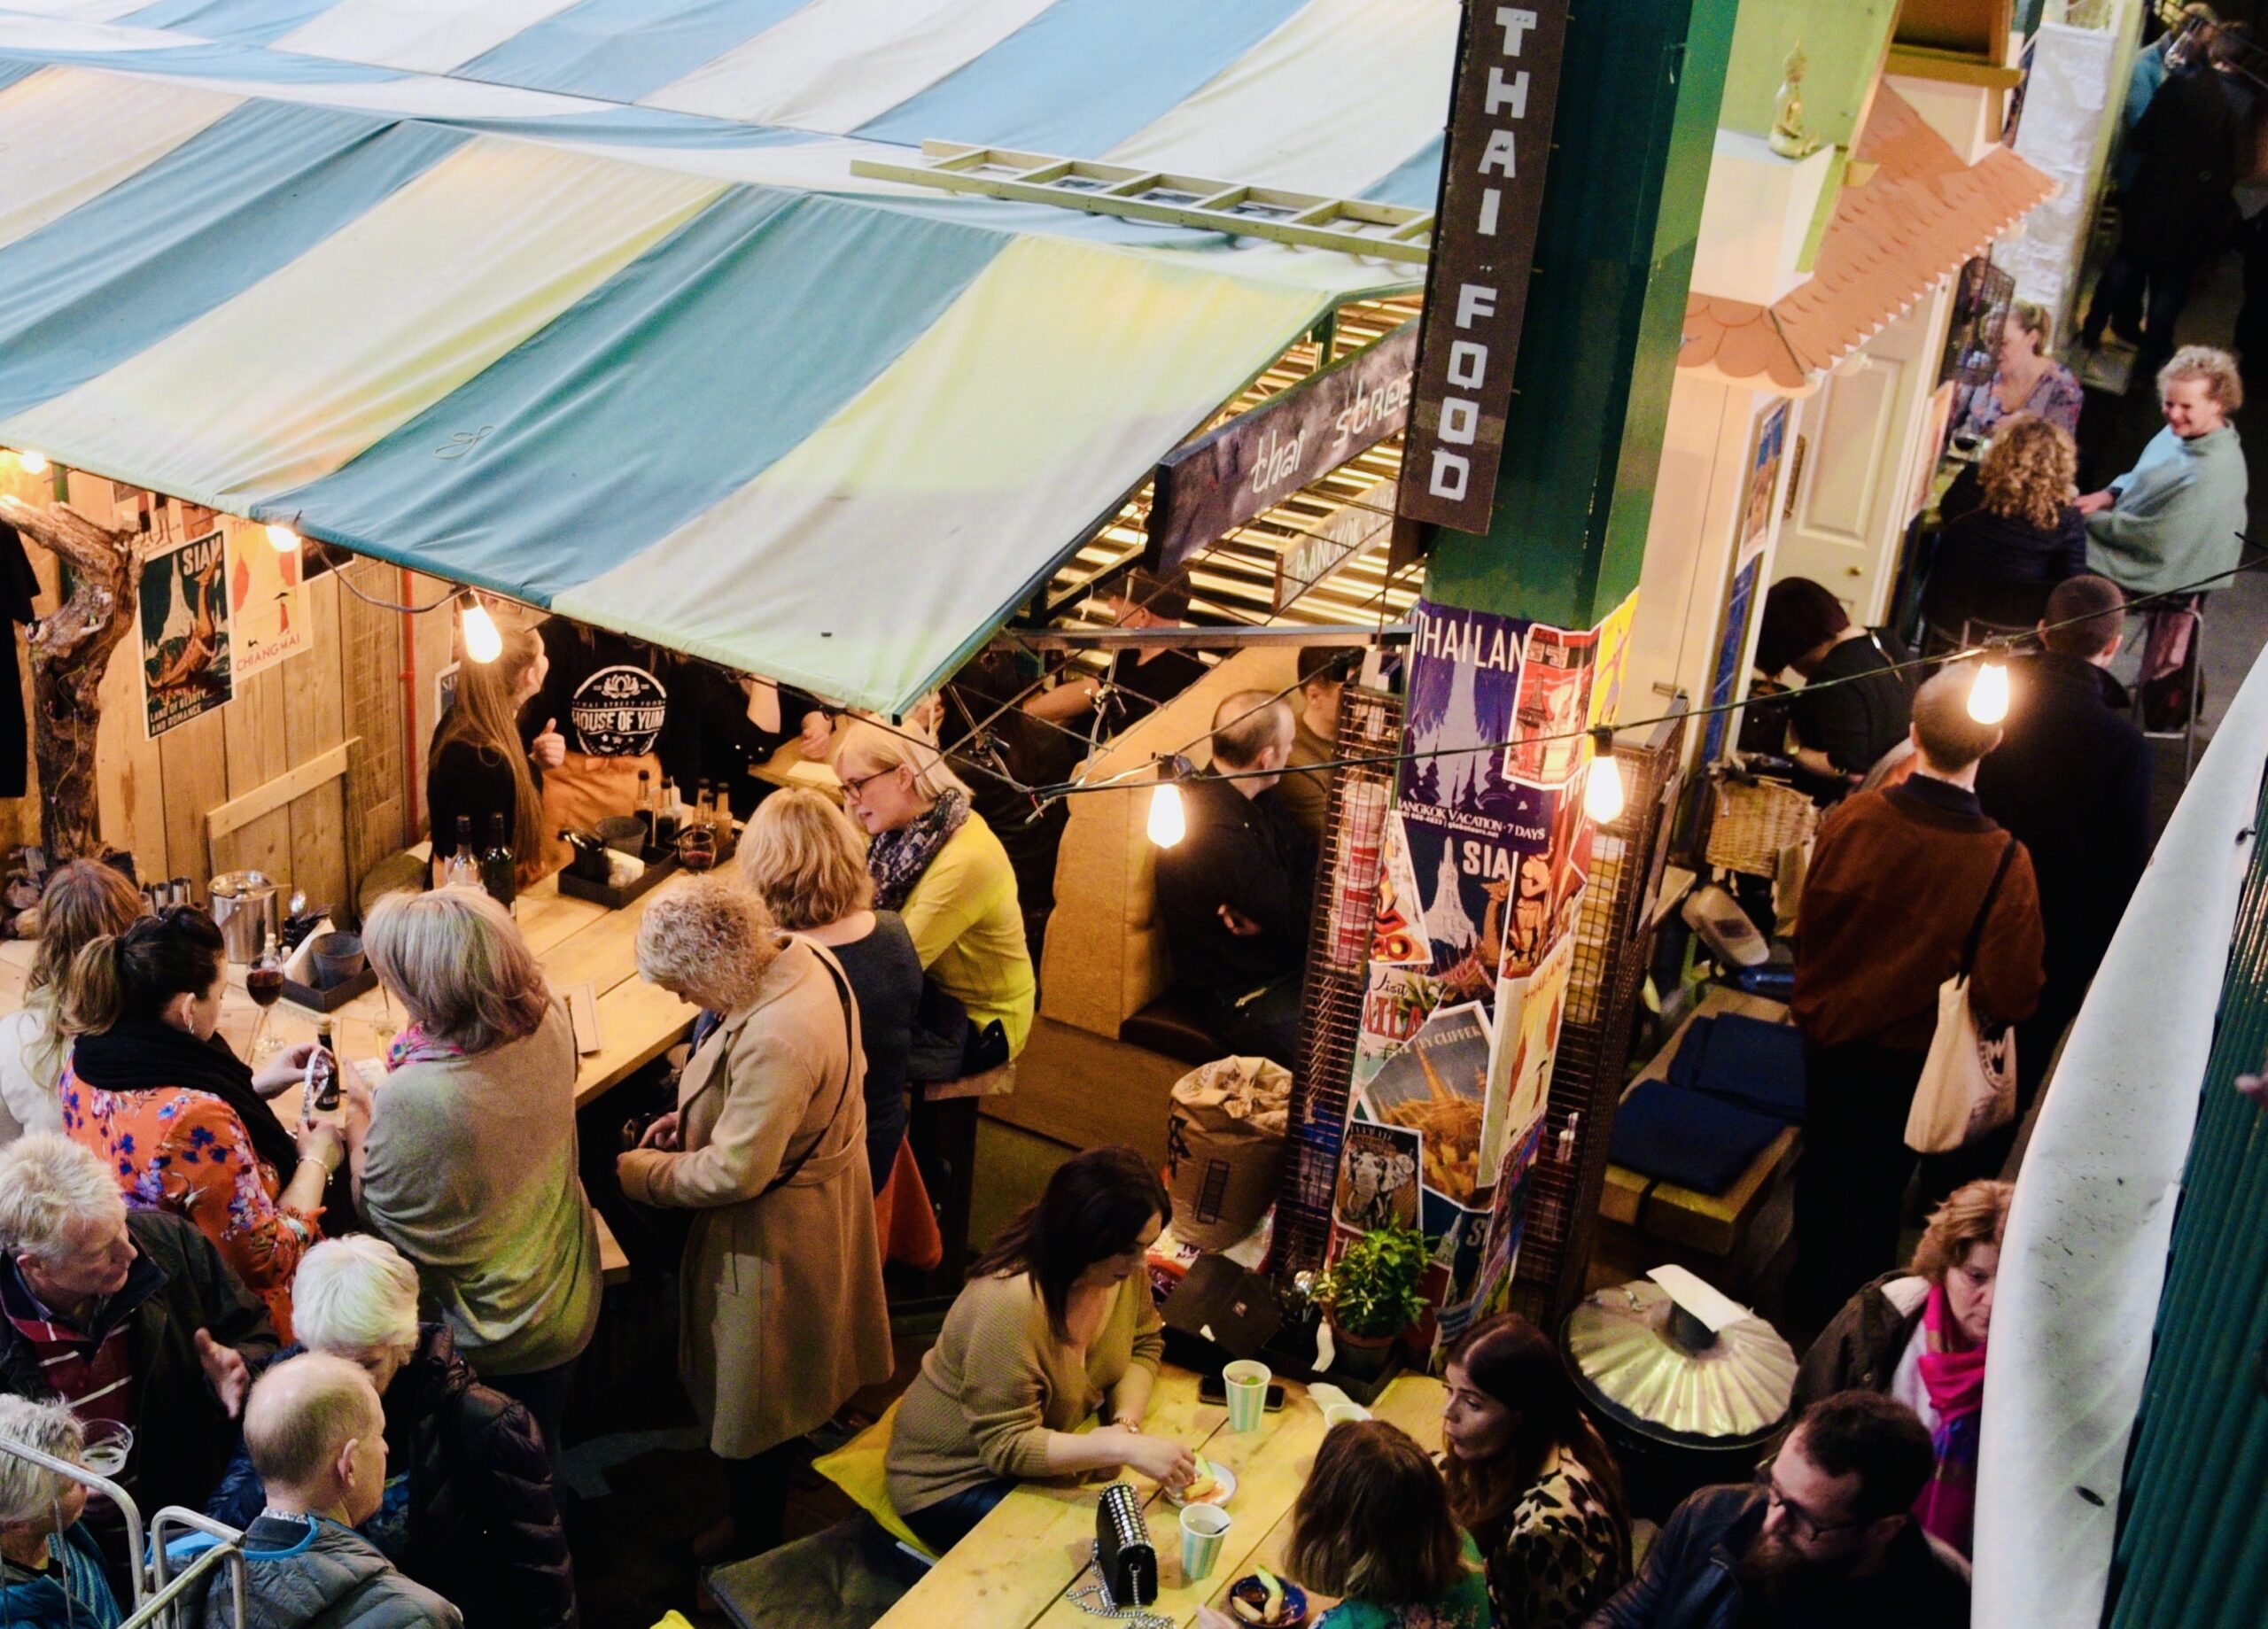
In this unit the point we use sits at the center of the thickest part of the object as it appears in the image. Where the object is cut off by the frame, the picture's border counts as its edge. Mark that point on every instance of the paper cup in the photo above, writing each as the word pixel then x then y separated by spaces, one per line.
pixel 1245 1383
pixel 1344 1414
pixel 1203 1527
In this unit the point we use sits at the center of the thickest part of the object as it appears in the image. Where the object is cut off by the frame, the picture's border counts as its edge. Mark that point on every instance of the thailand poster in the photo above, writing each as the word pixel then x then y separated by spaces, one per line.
pixel 186 661
pixel 268 620
pixel 1464 675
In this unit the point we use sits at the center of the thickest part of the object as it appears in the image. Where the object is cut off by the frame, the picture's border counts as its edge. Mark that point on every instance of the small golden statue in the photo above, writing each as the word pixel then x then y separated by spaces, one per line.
pixel 1789 138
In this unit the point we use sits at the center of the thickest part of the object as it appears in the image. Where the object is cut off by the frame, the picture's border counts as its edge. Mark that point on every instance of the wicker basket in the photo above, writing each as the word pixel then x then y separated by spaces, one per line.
pixel 1754 822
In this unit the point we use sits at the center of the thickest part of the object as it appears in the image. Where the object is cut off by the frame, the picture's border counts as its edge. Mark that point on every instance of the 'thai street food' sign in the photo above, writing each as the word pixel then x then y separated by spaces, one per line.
pixel 1205 490
pixel 1484 247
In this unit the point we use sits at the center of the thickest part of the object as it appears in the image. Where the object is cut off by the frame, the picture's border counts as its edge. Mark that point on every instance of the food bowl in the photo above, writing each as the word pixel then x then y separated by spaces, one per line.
pixel 1247 1604
pixel 337 957
pixel 1220 1495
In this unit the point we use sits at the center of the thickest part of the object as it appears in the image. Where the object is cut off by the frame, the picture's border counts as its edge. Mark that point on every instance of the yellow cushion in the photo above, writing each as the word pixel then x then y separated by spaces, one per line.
pixel 859 1469
pixel 673 1619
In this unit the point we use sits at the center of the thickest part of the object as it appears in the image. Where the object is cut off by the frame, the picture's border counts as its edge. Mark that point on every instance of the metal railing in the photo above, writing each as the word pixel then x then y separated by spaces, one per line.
pixel 155 1591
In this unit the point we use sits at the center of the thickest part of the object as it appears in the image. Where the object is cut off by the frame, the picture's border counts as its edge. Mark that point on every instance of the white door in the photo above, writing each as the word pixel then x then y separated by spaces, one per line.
pixel 1859 437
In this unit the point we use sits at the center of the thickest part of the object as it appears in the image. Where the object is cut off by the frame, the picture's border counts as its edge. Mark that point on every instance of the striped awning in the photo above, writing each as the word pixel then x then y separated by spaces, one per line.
pixel 581 302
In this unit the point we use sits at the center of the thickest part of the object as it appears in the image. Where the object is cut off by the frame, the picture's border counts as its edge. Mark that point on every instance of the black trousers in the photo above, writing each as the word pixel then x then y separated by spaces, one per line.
pixel 1851 1182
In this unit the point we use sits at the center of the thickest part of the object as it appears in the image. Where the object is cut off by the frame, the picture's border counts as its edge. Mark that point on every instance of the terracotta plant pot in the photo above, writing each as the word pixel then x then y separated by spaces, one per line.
pixel 1362 1357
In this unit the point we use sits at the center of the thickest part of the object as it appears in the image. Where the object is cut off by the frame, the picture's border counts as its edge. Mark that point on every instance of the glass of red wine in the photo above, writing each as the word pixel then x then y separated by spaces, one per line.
pixel 264 983
pixel 697 847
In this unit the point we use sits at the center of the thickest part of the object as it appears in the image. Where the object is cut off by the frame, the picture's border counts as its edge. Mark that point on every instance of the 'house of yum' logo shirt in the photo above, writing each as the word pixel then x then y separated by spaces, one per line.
pixel 617 712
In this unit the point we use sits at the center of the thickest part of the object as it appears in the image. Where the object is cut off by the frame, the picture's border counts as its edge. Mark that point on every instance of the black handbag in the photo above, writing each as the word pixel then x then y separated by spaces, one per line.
pixel 668 1228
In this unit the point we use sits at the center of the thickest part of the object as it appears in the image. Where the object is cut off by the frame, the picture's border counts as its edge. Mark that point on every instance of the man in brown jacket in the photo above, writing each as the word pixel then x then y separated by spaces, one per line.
pixel 1898 882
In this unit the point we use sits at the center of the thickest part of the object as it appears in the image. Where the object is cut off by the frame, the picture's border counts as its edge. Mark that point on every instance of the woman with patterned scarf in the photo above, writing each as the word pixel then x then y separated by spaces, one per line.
pixel 1919 1337
pixel 938 865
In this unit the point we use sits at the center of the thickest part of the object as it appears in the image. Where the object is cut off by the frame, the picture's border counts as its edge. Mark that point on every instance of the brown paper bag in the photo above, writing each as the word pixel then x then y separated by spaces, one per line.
pixel 1225 1148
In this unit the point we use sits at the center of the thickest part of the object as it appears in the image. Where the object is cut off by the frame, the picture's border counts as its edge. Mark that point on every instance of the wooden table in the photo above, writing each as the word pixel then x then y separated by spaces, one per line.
pixel 577 942
pixel 1014 1572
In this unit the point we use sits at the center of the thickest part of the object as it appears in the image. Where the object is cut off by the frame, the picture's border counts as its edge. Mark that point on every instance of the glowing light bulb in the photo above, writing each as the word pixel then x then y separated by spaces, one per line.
pixel 1988 697
pixel 1603 789
pixel 482 643
pixel 283 540
pixel 1166 825
pixel 35 463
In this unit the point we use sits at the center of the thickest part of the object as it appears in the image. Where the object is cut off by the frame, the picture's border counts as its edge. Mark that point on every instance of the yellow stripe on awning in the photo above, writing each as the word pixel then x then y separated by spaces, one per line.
pixel 307 368
pixel 67 137
pixel 919 513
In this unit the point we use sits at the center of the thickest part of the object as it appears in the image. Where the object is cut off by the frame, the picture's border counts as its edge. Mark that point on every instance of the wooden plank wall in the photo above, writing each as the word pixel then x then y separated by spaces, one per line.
pixel 352 685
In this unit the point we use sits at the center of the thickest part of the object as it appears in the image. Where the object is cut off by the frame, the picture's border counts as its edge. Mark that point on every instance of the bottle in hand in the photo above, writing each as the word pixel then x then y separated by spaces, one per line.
pixel 499 867
pixel 323 1089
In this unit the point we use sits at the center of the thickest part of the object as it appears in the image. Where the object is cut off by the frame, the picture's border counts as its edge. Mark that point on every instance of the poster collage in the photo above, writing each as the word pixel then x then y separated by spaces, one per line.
pixel 218 603
pixel 1485 852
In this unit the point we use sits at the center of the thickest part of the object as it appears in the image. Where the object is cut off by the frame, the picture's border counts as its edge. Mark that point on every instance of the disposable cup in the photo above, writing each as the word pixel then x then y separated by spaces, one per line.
pixel 1203 1527
pixel 1344 1414
pixel 1245 1383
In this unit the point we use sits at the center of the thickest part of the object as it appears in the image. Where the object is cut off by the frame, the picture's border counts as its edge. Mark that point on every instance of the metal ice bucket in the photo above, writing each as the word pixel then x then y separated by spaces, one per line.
pixel 245 906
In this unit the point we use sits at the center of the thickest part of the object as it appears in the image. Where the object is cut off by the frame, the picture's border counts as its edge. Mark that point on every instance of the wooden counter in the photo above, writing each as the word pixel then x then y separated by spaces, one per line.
pixel 576 941
pixel 1014 1570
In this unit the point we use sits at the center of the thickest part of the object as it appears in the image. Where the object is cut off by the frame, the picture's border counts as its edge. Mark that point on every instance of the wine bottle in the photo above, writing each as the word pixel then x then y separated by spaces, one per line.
pixel 463 869
pixel 498 867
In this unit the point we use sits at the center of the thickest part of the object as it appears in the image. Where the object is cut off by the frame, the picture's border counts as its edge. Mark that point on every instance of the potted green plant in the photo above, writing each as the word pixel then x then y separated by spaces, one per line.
pixel 1370 1296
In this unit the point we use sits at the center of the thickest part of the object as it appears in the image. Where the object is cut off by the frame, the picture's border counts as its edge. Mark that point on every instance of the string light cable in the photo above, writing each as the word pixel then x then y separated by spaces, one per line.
pixel 1381 760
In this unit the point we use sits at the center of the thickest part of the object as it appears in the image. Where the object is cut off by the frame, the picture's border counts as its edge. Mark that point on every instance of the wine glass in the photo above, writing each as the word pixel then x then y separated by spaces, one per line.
pixel 264 983
pixel 697 847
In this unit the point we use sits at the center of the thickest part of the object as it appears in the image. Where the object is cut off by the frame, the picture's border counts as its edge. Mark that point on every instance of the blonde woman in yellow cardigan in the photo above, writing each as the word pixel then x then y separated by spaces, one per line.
pixel 939 866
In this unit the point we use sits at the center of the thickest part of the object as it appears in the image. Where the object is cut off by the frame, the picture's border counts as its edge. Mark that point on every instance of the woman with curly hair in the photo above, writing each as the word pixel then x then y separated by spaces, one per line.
pixel 782 1313
pixel 1998 561
pixel 1920 1336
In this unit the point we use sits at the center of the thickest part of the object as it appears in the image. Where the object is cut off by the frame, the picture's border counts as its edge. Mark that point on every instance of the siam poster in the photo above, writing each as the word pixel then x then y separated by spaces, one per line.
pixel 1466 869
pixel 1554 707
pixel 186 660
pixel 1435 1084
pixel 1377 1177
pixel 268 619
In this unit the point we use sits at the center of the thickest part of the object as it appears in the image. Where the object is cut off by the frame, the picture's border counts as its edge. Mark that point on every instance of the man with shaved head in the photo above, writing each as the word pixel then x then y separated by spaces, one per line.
pixel 316 1435
pixel 1234 892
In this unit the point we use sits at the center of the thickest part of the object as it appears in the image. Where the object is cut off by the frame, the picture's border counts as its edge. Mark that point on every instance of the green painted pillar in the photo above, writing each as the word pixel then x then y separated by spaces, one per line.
pixel 1640 88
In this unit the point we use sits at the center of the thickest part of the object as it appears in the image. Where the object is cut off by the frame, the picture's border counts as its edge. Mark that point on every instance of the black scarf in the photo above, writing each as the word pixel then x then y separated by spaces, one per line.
pixel 899 858
pixel 148 1054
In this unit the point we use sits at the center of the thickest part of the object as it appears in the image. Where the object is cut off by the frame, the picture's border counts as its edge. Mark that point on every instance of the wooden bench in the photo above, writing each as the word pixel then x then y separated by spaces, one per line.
pixel 614 1265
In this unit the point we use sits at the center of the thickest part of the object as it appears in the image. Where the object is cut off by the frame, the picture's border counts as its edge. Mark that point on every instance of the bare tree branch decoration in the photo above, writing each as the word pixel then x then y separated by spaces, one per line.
pixel 70 651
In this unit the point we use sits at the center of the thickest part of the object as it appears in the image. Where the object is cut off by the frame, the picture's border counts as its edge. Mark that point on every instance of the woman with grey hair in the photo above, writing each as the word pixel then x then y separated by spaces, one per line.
pixel 477 1518
pixel 50 1568
pixel 464 1156
pixel 782 1313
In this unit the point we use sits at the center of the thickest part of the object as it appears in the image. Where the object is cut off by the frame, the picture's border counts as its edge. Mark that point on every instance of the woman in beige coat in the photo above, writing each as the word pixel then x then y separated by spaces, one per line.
pixel 783 1317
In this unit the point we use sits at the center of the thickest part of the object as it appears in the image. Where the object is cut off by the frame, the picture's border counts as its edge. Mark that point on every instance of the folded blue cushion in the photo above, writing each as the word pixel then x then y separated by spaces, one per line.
pixel 1685 1068
pixel 1688 1137
pixel 1755 1065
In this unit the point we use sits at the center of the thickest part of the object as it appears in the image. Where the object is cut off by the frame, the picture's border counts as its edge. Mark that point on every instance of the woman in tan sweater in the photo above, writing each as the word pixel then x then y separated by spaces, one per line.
pixel 1056 1323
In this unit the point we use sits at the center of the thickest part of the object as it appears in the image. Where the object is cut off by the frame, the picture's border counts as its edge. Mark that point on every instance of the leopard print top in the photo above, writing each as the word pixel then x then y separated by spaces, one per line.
pixel 1561 1552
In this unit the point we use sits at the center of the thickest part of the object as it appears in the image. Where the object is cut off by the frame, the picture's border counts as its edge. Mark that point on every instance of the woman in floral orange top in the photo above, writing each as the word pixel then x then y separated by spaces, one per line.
pixel 179 1119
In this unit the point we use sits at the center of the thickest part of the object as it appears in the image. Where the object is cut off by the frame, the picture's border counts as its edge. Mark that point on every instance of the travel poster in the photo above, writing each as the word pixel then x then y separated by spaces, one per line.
pixel 186 660
pixel 268 619
pixel 1395 1007
pixel 1397 938
pixel 1528 1014
pixel 1465 674
pixel 1467 869
pixel 1377 1177
pixel 1554 707
pixel 1435 1085
pixel 1612 664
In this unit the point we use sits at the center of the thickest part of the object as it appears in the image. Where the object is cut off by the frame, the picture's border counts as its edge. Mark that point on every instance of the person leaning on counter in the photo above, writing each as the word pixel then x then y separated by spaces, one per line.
pixel 477 765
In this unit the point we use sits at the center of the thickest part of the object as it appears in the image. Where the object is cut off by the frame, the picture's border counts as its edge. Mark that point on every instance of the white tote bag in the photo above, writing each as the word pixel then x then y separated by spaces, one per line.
pixel 1968 1080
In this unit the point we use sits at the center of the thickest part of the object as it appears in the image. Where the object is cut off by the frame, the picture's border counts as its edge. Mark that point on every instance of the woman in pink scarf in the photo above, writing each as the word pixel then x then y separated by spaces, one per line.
pixel 1919 1337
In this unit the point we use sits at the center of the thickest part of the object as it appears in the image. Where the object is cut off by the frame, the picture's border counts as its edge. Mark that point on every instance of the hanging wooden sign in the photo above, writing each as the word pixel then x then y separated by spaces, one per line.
pixel 1484 248
pixel 1205 490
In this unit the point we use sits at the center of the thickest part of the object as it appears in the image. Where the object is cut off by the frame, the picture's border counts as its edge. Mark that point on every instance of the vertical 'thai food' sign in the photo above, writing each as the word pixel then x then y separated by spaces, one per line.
pixel 1484 247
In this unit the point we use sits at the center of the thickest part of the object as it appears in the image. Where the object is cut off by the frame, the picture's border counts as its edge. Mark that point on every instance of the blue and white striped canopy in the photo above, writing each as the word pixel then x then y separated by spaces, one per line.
pixel 579 300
